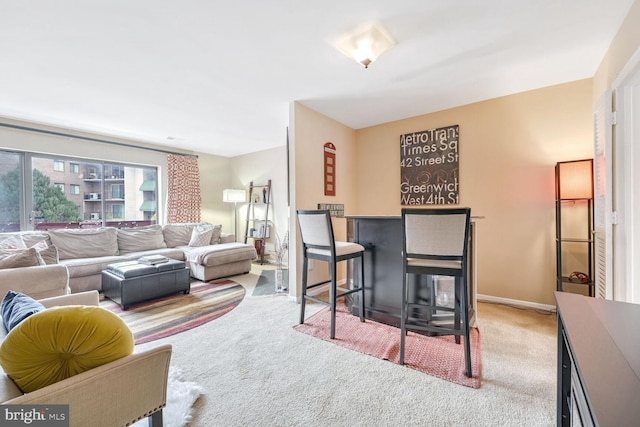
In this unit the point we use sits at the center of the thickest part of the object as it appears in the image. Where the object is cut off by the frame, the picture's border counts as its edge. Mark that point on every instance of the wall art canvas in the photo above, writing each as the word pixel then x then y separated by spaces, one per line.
pixel 429 167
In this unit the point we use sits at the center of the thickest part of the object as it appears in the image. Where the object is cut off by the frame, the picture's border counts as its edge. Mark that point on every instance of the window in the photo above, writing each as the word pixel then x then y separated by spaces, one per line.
pixel 117 211
pixel 50 200
pixel 10 195
pixel 117 191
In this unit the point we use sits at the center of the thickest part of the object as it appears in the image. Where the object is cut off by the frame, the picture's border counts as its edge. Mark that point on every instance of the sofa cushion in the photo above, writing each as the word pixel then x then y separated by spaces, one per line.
pixel 15 258
pixel 178 234
pixel 84 243
pixel 140 239
pixel 174 253
pixel 16 307
pixel 60 342
pixel 82 267
pixel 222 253
pixel 30 238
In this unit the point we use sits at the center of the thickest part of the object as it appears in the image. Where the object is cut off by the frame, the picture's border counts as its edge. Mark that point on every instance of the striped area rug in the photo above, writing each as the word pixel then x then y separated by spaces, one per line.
pixel 437 356
pixel 162 317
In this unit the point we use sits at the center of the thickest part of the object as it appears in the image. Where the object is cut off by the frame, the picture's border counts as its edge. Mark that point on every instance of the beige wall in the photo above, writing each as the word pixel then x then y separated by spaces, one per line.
pixel 260 167
pixel 508 149
pixel 309 131
pixel 215 173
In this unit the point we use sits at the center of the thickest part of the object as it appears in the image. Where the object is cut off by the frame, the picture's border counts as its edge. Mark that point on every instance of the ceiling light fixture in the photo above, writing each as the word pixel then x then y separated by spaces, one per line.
pixel 365 44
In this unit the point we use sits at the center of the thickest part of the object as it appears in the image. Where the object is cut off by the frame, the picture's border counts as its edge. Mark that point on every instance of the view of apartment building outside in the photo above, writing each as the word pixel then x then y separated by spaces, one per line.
pixel 70 192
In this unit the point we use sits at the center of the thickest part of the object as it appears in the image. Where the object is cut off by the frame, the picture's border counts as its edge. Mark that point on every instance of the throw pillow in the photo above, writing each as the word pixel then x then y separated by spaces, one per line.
pixel 48 253
pixel 15 258
pixel 12 241
pixel 61 342
pixel 40 245
pixel 16 307
pixel 201 235
pixel 215 236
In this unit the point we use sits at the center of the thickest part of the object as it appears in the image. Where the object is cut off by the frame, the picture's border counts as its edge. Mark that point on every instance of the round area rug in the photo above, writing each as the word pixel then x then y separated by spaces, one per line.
pixel 162 317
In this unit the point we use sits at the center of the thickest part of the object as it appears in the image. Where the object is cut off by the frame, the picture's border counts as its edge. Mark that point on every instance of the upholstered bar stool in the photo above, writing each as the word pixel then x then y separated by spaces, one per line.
pixel 436 242
pixel 318 243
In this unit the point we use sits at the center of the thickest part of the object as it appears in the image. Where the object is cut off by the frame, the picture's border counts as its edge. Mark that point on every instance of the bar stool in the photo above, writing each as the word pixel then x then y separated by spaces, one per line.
pixel 435 242
pixel 318 243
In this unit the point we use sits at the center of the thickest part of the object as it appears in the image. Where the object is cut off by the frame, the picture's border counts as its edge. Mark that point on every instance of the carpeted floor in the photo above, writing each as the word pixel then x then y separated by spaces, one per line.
pixel 258 371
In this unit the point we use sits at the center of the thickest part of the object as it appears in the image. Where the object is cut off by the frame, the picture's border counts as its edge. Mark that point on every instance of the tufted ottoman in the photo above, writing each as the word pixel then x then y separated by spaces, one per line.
pixel 130 282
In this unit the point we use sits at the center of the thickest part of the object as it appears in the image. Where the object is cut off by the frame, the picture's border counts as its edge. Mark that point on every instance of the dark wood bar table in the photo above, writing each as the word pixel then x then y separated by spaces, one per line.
pixel 381 237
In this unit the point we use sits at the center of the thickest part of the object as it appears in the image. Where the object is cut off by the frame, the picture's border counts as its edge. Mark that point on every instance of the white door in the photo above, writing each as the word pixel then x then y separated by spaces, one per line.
pixel 626 176
pixel 602 219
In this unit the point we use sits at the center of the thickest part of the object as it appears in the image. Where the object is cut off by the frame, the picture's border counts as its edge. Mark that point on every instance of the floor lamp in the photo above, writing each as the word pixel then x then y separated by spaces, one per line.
pixel 235 197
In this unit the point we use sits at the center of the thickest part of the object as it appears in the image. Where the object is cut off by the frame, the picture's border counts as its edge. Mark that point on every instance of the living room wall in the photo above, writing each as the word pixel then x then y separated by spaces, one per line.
pixel 260 167
pixel 508 147
pixel 309 131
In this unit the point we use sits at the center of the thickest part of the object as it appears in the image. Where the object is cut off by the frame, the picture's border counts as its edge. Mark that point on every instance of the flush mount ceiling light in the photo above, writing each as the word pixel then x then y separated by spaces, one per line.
pixel 365 44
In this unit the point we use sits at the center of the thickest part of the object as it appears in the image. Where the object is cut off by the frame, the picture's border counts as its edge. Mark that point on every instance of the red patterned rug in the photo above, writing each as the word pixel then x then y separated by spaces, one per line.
pixel 162 317
pixel 437 356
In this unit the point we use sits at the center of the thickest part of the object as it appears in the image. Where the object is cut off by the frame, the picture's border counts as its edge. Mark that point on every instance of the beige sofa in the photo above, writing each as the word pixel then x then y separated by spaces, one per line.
pixel 86 252
pixel 115 394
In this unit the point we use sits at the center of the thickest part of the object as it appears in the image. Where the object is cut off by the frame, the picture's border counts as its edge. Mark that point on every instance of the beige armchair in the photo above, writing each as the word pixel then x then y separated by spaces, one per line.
pixel 116 394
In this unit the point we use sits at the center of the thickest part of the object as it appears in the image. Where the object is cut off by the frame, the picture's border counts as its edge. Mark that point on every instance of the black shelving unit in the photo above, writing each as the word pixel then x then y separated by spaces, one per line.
pixel 582 207
pixel 257 223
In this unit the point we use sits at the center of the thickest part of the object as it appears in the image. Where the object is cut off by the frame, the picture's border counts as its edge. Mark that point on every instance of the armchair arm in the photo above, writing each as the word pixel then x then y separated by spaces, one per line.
pixel 39 282
pixel 227 237
pixel 118 393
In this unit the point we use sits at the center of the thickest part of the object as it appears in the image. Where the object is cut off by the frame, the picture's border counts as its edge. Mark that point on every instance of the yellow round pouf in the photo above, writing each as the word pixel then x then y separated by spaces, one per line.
pixel 60 342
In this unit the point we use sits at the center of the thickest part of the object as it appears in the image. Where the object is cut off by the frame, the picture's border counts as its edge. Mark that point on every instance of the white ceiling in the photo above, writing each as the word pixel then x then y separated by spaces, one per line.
pixel 218 76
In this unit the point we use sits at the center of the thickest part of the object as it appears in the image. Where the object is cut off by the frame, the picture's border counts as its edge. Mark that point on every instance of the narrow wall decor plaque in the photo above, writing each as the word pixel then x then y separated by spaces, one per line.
pixel 429 167
pixel 329 169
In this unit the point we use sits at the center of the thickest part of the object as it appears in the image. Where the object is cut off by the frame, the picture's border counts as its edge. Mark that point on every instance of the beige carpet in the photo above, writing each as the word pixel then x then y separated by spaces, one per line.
pixel 256 370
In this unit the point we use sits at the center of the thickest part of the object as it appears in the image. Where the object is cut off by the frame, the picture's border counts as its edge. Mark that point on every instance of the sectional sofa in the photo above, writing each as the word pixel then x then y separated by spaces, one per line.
pixel 209 253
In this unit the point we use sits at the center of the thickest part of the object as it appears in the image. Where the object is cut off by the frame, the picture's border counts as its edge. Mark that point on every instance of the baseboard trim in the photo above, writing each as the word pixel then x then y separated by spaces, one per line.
pixel 517 303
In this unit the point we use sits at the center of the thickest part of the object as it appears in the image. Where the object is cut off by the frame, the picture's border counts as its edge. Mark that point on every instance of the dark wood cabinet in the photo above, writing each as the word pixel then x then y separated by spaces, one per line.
pixel 598 362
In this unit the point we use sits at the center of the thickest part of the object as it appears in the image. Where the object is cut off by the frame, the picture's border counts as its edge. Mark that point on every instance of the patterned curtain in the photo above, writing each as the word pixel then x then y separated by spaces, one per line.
pixel 183 199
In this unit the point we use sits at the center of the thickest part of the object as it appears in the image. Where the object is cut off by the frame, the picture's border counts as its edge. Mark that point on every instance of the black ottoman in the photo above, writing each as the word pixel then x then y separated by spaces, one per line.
pixel 130 282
